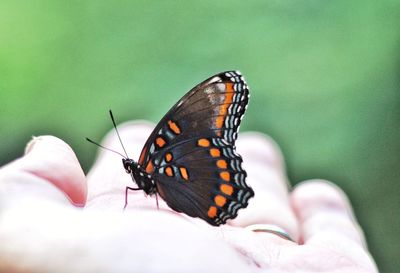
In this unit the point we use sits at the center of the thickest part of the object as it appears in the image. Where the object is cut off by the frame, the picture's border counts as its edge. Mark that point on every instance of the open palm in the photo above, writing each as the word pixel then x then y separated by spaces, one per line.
pixel 53 219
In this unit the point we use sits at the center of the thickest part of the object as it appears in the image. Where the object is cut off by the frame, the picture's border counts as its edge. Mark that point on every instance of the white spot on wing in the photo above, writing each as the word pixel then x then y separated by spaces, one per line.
pixel 213 80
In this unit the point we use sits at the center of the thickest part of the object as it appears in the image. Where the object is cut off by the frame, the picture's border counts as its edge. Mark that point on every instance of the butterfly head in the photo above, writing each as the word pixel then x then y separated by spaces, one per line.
pixel 129 165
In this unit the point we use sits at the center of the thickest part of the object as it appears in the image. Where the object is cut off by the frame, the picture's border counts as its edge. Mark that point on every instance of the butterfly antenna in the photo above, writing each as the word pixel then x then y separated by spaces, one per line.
pixel 116 130
pixel 105 148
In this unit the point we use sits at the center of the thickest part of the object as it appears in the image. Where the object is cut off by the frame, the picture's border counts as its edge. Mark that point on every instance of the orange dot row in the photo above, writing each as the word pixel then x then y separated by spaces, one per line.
pixel 227 189
pixel 220 200
pixel 219 121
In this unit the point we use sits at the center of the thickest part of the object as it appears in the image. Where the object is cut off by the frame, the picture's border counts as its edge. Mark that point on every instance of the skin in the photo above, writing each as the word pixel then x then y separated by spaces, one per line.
pixel 54 219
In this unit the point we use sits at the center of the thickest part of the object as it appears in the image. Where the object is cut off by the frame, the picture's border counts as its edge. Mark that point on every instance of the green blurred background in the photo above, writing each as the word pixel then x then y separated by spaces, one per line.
pixel 324 77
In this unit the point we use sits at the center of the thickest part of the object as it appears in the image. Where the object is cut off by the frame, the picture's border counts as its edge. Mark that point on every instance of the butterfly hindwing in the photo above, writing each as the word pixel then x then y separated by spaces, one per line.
pixel 191 153
pixel 207 176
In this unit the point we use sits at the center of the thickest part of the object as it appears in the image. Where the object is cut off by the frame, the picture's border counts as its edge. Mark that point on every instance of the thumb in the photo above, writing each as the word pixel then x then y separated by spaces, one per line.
pixel 48 161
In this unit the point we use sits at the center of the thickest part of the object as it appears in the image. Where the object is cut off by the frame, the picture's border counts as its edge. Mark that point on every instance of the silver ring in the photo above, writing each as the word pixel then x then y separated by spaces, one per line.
pixel 270 229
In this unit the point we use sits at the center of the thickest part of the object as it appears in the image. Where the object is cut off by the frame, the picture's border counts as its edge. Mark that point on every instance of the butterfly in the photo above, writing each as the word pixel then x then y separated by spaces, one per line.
pixel 190 159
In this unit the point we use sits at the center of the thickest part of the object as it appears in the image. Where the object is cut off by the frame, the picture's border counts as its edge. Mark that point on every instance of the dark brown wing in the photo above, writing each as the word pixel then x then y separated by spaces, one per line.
pixel 191 152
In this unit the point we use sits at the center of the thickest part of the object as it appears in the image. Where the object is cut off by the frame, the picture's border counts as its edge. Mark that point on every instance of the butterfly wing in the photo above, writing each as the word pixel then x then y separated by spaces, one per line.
pixel 191 152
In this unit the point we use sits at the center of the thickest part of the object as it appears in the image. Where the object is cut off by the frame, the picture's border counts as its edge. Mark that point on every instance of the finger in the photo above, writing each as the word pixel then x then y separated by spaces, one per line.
pixel 264 165
pixel 47 160
pixel 48 238
pixel 325 214
pixel 107 179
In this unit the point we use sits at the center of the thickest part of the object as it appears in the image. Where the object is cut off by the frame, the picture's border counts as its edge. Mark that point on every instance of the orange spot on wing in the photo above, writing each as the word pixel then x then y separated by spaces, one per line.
pixel 160 142
pixel 212 212
pixel 141 158
pixel 222 164
pixel 215 152
pixel 225 176
pixel 220 200
pixel 174 127
pixel 149 167
pixel 229 87
pixel 184 173
pixel 219 121
pixel 227 189
pixel 203 142
pixel 228 100
pixel 168 157
pixel 169 171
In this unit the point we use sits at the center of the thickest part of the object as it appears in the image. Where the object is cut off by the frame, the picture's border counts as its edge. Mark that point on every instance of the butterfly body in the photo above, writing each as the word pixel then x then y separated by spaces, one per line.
pixel 190 158
pixel 143 180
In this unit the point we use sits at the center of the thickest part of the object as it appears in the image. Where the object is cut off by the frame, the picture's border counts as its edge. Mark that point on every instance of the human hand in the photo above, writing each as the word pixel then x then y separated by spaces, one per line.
pixel 41 231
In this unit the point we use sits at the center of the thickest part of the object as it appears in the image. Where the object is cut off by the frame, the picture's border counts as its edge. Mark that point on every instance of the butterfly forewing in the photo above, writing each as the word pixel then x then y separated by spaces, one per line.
pixel 191 153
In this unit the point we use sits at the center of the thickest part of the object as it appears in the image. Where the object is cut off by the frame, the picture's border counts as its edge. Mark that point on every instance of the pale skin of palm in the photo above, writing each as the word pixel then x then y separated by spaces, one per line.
pixel 53 218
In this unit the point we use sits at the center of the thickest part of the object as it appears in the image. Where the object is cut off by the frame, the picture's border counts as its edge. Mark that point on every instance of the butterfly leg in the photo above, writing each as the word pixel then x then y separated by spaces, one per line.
pixel 157 201
pixel 126 194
